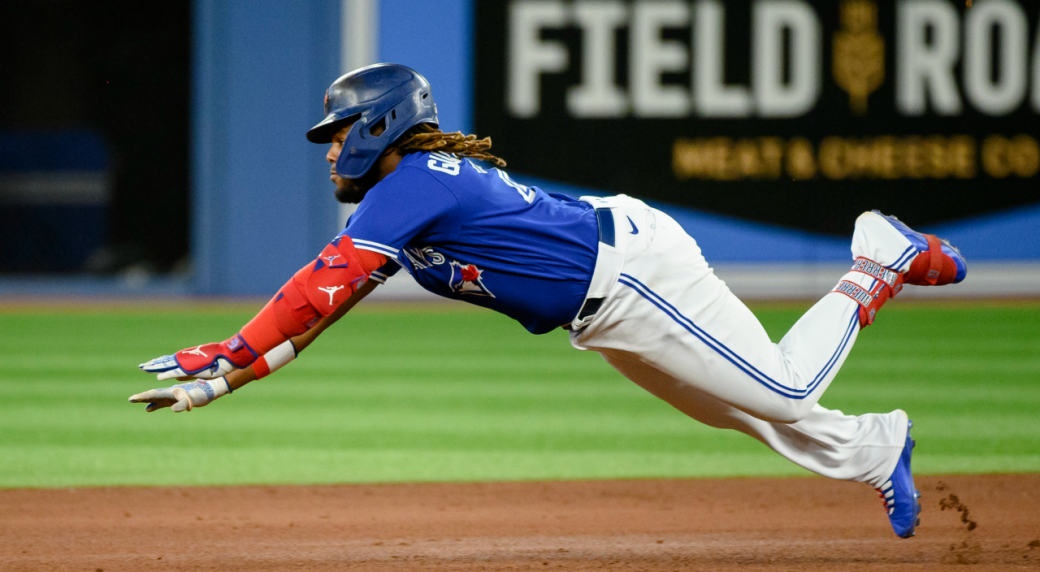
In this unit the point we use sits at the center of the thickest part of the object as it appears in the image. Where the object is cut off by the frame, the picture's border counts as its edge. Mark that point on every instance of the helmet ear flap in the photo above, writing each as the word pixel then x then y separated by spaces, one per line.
pixel 385 123
pixel 378 128
pixel 361 148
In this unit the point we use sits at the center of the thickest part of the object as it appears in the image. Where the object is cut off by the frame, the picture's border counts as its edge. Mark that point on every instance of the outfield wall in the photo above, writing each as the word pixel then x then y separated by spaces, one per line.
pixel 262 200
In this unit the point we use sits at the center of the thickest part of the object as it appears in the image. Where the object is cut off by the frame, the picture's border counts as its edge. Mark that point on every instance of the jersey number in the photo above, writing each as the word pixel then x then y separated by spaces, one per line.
pixel 450 164
pixel 526 192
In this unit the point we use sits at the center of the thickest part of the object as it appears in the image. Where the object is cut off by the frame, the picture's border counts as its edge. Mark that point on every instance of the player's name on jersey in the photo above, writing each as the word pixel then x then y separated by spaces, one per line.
pixel 840 158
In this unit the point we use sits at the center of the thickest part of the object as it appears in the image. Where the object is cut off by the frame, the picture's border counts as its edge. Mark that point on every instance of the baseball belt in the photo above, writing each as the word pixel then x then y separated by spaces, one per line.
pixel 608 263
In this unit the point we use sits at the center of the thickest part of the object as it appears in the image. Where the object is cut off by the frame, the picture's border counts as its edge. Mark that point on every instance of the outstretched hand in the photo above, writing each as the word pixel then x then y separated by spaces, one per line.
pixel 184 396
pixel 207 361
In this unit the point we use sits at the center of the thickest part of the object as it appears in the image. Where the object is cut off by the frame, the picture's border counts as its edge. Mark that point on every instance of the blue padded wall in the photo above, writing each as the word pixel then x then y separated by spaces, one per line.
pixel 434 38
pixel 262 203
pixel 261 200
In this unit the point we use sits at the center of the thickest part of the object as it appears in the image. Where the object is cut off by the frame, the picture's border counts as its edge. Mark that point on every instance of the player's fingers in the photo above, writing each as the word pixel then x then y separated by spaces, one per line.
pixel 172 374
pixel 159 404
pixel 162 363
pixel 219 368
pixel 144 396
pixel 157 398
pixel 183 400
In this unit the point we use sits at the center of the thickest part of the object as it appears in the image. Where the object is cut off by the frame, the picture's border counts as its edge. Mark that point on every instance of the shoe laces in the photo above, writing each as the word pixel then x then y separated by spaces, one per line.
pixel 887 495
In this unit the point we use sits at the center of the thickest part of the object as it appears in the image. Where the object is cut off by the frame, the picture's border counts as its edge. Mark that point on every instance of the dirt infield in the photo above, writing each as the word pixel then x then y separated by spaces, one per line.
pixel 746 524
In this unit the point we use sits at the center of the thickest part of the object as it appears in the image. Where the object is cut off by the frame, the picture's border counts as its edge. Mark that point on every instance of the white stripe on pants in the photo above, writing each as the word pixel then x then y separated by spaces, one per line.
pixel 674 328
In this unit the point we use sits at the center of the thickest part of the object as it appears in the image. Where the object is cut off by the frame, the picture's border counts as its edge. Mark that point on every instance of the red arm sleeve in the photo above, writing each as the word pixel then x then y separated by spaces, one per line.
pixel 315 291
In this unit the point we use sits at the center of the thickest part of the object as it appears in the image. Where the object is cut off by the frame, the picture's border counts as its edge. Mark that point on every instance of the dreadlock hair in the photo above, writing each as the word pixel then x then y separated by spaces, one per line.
pixel 426 137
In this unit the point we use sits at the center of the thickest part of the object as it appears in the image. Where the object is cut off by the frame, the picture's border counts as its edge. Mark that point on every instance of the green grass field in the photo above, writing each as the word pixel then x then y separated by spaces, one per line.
pixel 393 394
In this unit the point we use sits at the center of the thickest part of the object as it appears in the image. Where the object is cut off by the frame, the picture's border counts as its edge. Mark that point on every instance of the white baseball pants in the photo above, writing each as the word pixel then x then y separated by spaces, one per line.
pixel 674 328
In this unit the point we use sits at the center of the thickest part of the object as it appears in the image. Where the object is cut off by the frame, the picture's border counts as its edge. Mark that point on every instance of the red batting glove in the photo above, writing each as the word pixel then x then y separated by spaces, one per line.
pixel 208 361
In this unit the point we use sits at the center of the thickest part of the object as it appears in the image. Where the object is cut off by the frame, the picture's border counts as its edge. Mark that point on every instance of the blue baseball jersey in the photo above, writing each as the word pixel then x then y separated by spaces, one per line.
pixel 471 233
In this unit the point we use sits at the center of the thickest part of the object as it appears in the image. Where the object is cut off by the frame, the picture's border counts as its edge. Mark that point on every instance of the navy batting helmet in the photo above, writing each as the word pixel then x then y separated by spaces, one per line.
pixel 390 97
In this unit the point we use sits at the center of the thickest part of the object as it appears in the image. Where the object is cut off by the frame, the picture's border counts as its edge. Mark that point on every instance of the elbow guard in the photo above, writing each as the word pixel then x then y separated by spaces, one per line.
pixel 319 288
pixel 314 292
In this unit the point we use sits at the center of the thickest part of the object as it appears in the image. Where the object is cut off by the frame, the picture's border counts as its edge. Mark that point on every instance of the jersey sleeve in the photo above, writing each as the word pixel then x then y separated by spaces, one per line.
pixel 385 271
pixel 402 206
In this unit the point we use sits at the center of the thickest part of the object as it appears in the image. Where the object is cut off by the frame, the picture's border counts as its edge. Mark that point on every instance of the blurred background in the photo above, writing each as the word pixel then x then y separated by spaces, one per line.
pixel 158 149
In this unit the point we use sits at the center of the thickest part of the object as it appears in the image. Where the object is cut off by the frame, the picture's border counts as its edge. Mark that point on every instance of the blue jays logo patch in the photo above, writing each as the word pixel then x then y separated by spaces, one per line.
pixel 465 279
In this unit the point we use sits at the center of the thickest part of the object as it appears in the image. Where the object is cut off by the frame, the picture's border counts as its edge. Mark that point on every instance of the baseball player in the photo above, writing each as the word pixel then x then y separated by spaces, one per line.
pixel 623 278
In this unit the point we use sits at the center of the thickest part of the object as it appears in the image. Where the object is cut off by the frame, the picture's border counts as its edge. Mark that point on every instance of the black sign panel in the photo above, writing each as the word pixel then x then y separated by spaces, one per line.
pixel 795 112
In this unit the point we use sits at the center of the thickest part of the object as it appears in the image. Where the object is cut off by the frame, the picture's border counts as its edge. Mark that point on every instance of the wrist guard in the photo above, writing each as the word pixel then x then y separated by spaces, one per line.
pixel 274 360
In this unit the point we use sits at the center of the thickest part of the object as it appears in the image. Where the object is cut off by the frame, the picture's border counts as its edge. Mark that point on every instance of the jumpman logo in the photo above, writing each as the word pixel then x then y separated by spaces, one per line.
pixel 329 259
pixel 195 352
pixel 331 291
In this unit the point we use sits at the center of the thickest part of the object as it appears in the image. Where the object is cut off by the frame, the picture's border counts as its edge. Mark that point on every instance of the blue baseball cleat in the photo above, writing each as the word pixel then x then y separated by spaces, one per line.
pixel 935 261
pixel 901 498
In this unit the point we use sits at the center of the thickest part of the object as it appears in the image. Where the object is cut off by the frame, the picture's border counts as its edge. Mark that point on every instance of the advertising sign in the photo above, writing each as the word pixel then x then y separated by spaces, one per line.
pixel 794 112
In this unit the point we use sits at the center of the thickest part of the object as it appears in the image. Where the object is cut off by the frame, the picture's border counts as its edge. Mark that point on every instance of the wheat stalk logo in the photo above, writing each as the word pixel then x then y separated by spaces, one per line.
pixel 859 53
